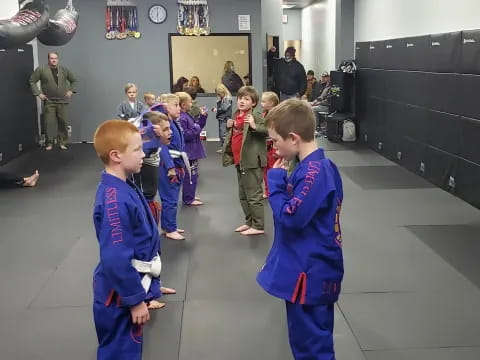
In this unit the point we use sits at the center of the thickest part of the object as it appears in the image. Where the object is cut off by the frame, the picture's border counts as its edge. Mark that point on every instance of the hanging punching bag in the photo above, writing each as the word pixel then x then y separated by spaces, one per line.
pixel 61 28
pixel 24 26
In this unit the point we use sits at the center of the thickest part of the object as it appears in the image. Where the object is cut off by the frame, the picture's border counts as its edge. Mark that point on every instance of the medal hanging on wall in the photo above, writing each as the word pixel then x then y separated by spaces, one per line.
pixel 121 22
pixel 193 17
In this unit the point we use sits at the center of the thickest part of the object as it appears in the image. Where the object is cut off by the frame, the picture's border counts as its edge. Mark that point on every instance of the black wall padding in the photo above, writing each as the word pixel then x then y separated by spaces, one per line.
pixel 412 153
pixel 467 178
pixel 376 56
pixel 441 92
pixel 18 123
pixel 469 89
pixel 393 54
pixel 361 54
pixel 445 52
pixel 418 103
pixel 444 132
pixel 470 140
pixel 470 49
pixel 415 53
pixel 439 166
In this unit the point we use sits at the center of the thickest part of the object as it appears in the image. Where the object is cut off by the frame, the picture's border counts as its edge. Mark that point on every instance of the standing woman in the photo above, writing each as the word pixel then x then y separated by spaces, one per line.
pixel 195 85
pixel 230 78
pixel 223 111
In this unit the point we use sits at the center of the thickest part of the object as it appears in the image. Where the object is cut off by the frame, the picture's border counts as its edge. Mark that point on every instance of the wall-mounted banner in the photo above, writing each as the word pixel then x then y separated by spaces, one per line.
pixel 193 17
pixel 121 2
pixel 121 21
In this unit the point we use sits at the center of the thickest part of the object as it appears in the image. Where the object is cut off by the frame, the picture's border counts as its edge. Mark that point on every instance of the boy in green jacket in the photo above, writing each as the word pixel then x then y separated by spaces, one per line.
pixel 57 85
pixel 245 146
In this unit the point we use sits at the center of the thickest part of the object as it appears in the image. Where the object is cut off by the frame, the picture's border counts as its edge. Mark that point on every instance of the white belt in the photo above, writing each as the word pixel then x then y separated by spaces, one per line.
pixel 175 154
pixel 150 269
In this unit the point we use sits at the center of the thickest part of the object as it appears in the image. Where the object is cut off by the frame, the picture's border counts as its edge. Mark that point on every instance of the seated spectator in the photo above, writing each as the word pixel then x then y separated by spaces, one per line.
pixel 181 84
pixel 195 85
pixel 311 82
pixel 319 86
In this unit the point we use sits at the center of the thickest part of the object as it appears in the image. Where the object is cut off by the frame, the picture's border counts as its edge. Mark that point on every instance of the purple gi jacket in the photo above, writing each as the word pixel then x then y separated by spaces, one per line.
pixel 191 132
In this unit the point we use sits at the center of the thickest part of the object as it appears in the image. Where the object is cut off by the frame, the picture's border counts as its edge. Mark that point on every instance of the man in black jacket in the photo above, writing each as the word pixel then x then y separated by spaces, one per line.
pixel 289 74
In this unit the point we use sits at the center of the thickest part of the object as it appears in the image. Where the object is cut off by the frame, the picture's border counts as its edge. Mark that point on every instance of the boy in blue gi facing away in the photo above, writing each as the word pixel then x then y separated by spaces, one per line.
pixel 127 277
pixel 305 265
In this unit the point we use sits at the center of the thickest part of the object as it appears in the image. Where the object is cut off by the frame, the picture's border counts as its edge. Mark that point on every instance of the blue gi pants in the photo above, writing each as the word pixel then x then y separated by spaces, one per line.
pixel 118 338
pixel 310 331
pixel 169 193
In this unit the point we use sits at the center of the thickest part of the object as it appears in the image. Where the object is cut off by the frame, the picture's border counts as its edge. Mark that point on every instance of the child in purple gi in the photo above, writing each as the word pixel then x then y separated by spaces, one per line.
pixel 127 276
pixel 305 265
pixel 193 146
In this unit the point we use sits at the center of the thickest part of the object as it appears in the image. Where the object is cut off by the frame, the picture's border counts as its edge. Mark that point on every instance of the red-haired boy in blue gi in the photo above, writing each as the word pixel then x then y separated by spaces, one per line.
pixel 192 127
pixel 127 277
pixel 305 265
pixel 172 170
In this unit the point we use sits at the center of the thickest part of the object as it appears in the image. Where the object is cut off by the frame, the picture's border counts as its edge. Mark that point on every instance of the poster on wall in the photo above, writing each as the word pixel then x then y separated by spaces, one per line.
pixel 193 17
pixel 244 22
pixel 121 20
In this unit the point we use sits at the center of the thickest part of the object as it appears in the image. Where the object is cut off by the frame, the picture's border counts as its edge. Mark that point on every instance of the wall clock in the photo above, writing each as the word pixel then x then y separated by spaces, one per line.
pixel 157 14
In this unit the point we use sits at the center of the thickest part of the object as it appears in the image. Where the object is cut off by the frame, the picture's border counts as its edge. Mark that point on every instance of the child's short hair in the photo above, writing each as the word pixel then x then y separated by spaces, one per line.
pixel 183 97
pixel 222 90
pixel 272 97
pixel 112 135
pixel 130 85
pixel 156 117
pixel 248 91
pixel 148 95
pixel 166 98
pixel 292 116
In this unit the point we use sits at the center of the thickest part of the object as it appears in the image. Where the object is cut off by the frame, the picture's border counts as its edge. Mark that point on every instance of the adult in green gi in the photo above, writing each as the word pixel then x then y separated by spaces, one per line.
pixel 57 84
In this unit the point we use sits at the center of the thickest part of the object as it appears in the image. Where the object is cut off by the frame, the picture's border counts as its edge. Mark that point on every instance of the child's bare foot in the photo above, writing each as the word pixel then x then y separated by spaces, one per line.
pixel 167 291
pixel 49 147
pixel 174 236
pixel 196 203
pixel 181 231
pixel 31 181
pixel 154 305
pixel 252 231
pixel 242 228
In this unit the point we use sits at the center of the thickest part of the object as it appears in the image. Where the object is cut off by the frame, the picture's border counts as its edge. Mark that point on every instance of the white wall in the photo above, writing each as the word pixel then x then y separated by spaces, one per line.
pixel 318 36
pixel 387 19
pixel 8 8
pixel 292 30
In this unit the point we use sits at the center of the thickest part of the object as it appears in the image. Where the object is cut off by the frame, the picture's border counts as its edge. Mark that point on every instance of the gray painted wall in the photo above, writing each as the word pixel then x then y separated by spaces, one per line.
pixel 104 66
pixel 292 30
pixel 344 42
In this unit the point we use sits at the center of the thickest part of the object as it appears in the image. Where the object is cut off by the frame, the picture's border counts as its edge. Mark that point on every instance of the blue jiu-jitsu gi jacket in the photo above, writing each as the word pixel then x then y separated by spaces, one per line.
pixel 125 230
pixel 305 264
pixel 177 143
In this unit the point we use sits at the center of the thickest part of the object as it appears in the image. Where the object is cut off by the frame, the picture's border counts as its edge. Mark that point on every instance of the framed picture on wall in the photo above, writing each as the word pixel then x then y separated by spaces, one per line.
pixel 219 58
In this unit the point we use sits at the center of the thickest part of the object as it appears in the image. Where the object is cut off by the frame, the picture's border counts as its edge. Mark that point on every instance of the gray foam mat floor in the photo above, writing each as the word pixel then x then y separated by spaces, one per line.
pixel 384 177
pixel 410 289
